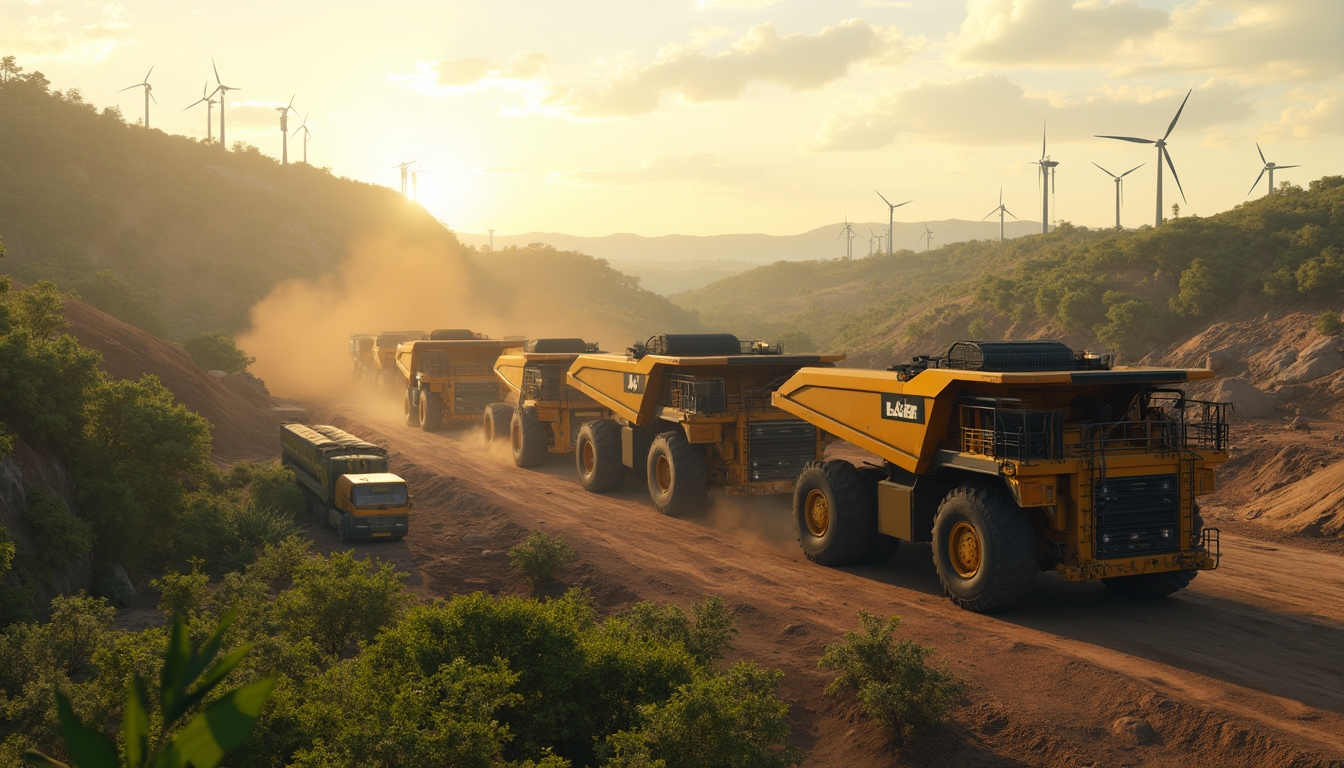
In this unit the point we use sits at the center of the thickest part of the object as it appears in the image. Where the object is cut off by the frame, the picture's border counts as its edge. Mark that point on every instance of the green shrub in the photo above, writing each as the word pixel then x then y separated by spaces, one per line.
pixel 339 600
pixel 706 639
pixel 539 557
pixel 37 310
pixel 893 683
pixel 733 720
pixel 215 351
pixel 59 537
pixel 1328 324
pixel 182 593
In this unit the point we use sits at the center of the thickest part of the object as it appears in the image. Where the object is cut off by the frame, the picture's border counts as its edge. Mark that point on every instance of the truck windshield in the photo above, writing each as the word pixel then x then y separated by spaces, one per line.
pixel 377 494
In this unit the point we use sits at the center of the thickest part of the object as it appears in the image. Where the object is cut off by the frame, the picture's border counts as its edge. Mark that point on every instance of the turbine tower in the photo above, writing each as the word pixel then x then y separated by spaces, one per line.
pixel 891 216
pixel 223 91
pixel 1002 209
pixel 849 235
pixel 1267 167
pixel 1046 182
pixel 927 237
pixel 306 133
pixel 1120 188
pixel 284 129
pixel 209 100
pixel 1162 153
pixel 148 93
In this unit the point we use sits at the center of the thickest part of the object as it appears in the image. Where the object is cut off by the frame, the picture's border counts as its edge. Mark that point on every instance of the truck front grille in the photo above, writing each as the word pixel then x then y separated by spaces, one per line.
pixel 1137 515
pixel 471 397
pixel 779 450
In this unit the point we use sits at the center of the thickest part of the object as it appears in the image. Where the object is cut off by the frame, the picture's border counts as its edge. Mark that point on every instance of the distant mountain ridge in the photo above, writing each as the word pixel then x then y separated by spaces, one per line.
pixel 820 243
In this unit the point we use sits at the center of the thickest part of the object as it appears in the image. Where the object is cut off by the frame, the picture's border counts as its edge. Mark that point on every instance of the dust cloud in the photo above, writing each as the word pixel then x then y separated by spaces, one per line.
pixel 300 332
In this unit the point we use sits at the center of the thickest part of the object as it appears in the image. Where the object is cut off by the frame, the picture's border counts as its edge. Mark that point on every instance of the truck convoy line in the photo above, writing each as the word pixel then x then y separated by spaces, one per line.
pixel 1009 457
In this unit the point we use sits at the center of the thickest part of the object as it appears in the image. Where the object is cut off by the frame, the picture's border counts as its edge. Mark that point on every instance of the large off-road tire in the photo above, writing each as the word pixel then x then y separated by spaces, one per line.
pixel 984 548
pixel 431 411
pixel 678 475
pixel 834 513
pixel 597 456
pixel 527 437
pixel 496 420
pixel 410 410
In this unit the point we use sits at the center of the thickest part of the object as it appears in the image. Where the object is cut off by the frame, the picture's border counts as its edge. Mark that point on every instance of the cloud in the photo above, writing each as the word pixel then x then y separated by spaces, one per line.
pixel 701 169
pixel 1310 114
pixel 87 36
pixel 797 62
pixel 992 110
pixel 452 77
pixel 1053 33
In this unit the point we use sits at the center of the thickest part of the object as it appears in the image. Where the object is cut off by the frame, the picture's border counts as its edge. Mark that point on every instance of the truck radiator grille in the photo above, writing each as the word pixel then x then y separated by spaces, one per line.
pixel 1137 515
pixel 471 397
pixel 543 382
pixel 779 450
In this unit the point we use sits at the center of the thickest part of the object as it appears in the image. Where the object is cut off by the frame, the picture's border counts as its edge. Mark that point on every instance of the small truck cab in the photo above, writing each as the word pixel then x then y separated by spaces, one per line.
pixel 377 505
pixel 345 482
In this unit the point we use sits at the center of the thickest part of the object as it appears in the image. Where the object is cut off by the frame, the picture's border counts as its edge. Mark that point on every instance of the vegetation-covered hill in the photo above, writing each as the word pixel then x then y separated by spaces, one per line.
pixel 1131 291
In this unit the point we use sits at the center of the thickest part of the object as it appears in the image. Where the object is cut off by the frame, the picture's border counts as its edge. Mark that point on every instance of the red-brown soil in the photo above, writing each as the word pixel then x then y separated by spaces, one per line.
pixel 1242 669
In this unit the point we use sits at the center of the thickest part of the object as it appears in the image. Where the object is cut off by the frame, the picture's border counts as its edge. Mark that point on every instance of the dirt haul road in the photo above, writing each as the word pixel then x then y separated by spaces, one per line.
pixel 1244 668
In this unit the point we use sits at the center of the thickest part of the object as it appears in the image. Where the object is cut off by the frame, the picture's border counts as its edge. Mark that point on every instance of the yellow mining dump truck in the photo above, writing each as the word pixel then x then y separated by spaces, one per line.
pixel 692 411
pixel 543 413
pixel 1013 457
pixel 345 482
pixel 361 356
pixel 450 378
pixel 380 371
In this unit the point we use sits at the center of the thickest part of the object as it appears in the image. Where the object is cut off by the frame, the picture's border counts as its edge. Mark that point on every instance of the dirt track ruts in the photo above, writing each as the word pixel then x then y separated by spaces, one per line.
pixel 1243 668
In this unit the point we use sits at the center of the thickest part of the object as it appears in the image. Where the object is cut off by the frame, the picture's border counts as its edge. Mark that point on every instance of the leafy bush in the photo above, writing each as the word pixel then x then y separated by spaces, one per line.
pixel 1328 324
pixel 339 600
pixel 733 720
pixel 539 557
pixel 706 639
pixel 215 351
pixel 891 679
pixel 59 537
pixel 182 593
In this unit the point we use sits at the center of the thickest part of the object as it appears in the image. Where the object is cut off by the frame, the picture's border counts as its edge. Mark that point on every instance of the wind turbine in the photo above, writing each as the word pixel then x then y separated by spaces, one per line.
pixel 891 216
pixel 306 133
pixel 874 241
pixel 405 172
pixel 1046 182
pixel 849 235
pixel 1002 209
pixel 284 128
pixel 1120 188
pixel 415 183
pixel 209 100
pixel 1162 153
pixel 148 93
pixel 927 237
pixel 223 91
pixel 1268 167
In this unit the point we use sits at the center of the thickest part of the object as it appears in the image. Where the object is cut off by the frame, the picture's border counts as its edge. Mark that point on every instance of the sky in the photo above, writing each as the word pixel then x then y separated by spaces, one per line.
pixel 725 116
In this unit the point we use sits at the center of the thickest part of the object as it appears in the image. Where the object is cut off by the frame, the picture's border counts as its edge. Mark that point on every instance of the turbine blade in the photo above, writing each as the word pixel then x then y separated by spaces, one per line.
pixel 1172 127
pixel 884 199
pixel 1131 170
pixel 192 104
pixel 1172 166
pixel 129 87
pixel 290 105
pixel 1000 196
pixel 154 98
pixel 1010 213
pixel 1262 153
pixel 1128 138
pixel 151 70
pixel 212 66
pixel 1108 173
pixel 991 213
pixel 1052 181
pixel 1281 167
pixel 1257 182
pixel 1043 127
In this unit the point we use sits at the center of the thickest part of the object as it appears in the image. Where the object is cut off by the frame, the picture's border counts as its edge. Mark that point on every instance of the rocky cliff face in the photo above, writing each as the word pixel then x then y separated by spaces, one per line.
pixel 26 469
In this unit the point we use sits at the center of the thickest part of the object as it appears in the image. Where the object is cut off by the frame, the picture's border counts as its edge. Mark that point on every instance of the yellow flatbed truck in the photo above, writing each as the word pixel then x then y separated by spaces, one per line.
pixel 543 413
pixel 1014 457
pixel 690 412
pixel 345 482
pixel 450 378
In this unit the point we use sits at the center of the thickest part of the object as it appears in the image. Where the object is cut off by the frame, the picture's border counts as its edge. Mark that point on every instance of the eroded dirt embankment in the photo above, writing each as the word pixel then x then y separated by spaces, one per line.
pixel 1241 669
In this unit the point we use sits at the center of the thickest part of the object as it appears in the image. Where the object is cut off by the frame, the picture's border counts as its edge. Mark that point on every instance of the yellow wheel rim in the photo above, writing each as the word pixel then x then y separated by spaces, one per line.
pixel 589 458
pixel 663 473
pixel 963 549
pixel 817 513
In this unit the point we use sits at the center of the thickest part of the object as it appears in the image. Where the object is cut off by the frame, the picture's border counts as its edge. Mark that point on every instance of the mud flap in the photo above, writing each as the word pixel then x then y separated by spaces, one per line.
pixel 635 444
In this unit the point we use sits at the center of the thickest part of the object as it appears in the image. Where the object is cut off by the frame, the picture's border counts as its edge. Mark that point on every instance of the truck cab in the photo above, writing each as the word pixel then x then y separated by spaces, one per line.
pixel 345 482
pixel 377 505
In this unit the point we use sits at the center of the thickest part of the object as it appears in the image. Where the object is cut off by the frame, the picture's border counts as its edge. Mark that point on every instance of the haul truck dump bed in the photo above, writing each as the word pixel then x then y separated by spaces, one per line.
pixel 690 412
pixel 375 359
pixel 543 413
pixel 450 377
pixel 345 482
pixel 1013 457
